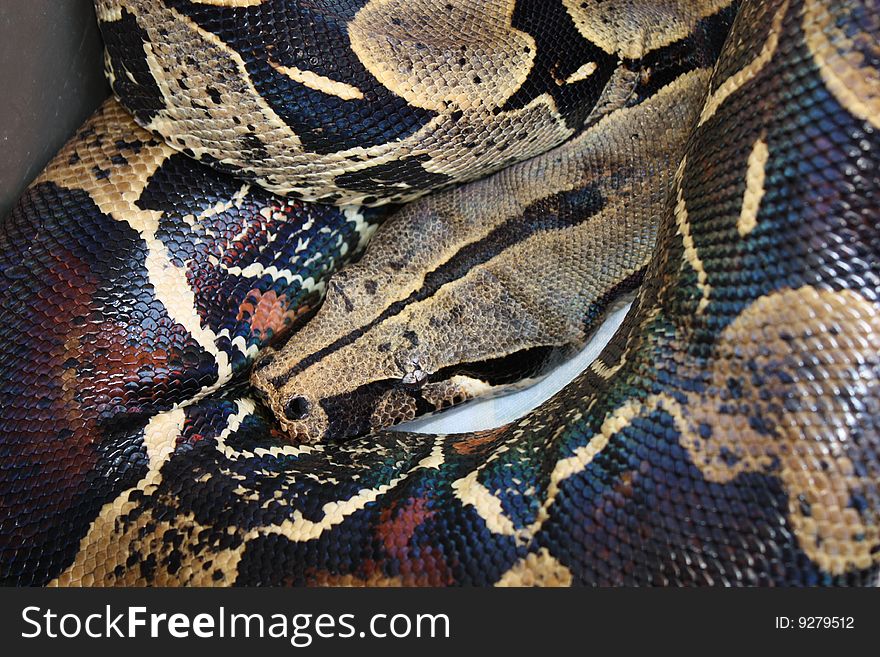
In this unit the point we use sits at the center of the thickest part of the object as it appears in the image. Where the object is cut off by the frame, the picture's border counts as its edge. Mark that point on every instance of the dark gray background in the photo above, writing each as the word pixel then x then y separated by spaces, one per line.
pixel 51 79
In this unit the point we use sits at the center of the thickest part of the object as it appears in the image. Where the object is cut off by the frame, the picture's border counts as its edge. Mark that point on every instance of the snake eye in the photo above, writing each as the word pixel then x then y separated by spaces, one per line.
pixel 296 408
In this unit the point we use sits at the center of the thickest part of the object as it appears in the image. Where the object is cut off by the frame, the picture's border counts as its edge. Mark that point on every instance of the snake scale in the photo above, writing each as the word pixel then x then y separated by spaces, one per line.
pixel 515 166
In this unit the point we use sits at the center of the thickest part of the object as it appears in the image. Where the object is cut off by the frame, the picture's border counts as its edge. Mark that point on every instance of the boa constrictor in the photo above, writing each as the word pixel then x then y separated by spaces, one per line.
pixel 728 434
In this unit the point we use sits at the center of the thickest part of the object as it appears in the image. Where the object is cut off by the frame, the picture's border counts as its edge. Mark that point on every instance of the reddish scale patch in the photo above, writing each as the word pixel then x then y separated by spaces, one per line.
pixel 257 232
pixel 397 525
pixel 266 312
pixel 259 309
pixel 87 355
pixel 478 441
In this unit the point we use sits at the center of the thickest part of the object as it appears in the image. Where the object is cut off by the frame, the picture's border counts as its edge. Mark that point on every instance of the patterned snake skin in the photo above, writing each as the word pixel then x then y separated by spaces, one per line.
pixel 729 434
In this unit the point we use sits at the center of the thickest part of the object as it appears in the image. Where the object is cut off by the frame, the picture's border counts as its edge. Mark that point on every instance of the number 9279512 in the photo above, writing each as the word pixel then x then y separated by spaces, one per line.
pixel 815 623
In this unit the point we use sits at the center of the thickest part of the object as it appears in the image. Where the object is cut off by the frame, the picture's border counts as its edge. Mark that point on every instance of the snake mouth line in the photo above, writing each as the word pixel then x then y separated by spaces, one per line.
pixel 498 411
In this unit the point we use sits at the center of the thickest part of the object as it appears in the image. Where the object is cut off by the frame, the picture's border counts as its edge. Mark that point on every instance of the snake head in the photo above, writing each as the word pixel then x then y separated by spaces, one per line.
pixel 366 361
pixel 339 377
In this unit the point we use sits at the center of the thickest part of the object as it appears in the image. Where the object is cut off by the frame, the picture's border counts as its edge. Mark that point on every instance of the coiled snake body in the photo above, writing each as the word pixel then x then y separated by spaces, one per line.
pixel 722 157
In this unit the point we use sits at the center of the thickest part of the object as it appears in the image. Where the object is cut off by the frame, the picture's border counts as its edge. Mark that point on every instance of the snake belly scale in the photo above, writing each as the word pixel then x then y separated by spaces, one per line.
pixel 471 184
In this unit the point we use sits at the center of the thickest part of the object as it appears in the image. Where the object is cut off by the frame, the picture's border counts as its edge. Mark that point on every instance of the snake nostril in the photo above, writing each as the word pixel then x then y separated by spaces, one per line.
pixel 296 408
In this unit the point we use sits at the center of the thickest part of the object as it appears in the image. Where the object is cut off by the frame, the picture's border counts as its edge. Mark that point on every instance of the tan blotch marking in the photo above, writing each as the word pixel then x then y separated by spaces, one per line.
pixel 748 216
pixel 473 146
pixel 690 251
pixel 800 426
pixel 468 56
pixel 632 28
pixel 738 79
pixel 797 415
pixel 537 569
pixel 840 56
pixel 319 82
